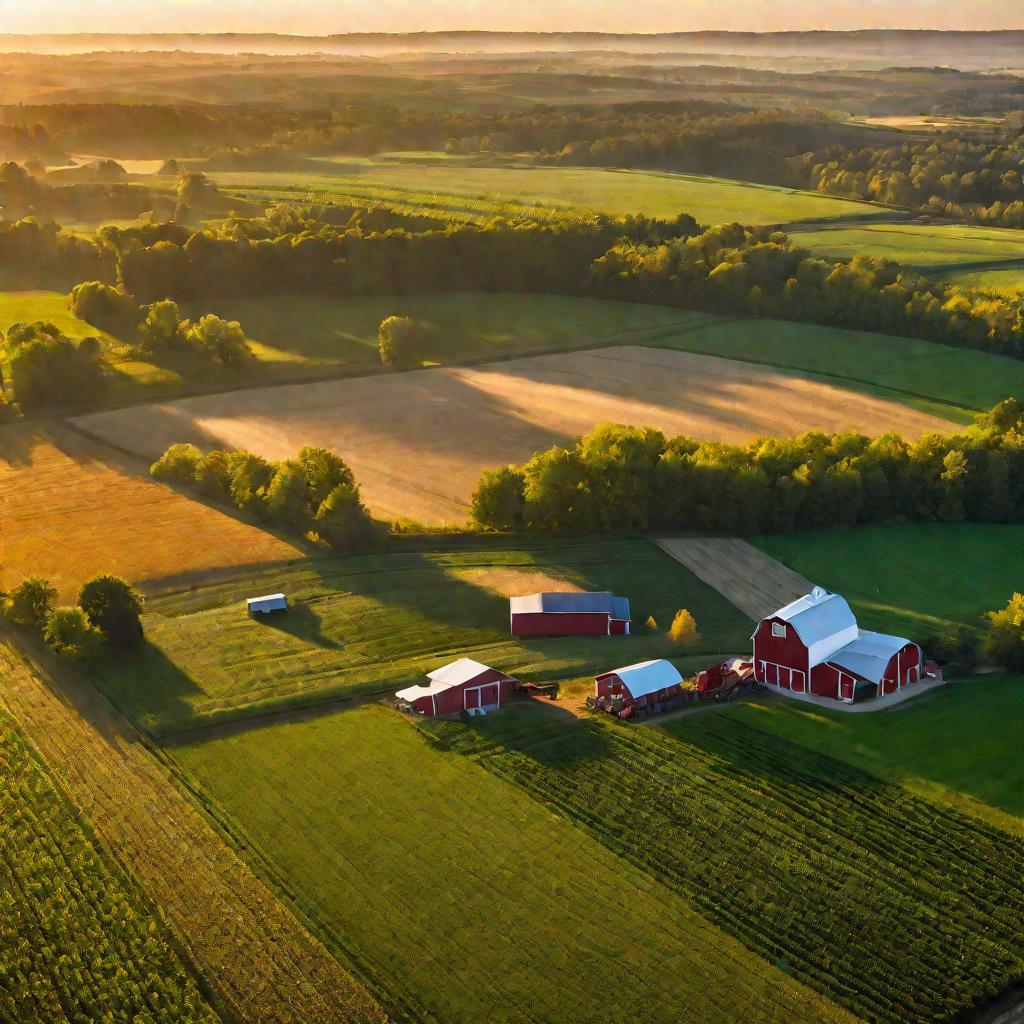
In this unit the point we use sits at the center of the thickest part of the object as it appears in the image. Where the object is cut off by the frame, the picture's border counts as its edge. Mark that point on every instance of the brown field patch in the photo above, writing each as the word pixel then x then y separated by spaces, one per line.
pixel 70 508
pixel 745 576
pixel 518 582
pixel 417 441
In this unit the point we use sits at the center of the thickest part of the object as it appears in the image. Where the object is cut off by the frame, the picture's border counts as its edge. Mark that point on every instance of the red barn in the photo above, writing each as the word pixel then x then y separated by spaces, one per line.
pixel 648 683
pixel 463 685
pixel 569 614
pixel 813 645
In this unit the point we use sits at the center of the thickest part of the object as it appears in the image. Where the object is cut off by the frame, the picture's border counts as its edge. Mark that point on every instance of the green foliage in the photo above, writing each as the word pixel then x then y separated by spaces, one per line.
pixel 767 839
pixel 223 340
pixel 250 476
pixel 342 520
pixel 1004 644
pixel 194 189
pixel 46 369
pixel 114 607
pixel 69 632
pixel 104 306
pixel 621 479
pixel 956 645
pixel 324 470
pixel 30 602
pixel 162 327
pixel 288 498
pixel 177 465
pixel 499 499
pixel 78 941
pixel 398 341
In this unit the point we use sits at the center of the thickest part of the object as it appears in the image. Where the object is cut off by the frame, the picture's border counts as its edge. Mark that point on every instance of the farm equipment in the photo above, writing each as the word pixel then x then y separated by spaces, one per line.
pixel 549 690
pixel 726 680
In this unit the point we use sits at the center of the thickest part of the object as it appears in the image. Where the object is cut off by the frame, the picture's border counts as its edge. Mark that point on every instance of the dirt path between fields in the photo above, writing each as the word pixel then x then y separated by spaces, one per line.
pixel 258 958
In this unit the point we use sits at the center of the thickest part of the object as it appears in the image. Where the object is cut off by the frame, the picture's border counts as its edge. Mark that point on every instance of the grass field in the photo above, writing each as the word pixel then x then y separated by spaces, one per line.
pixel 376 622
pixel 78 941
pixel 914 579
pixel 264 965
pixel 1005 279
pixel 960 744
pixel 71 508
pixel 925 247
pixel 471 193
pixel 417 442
pixel 470 896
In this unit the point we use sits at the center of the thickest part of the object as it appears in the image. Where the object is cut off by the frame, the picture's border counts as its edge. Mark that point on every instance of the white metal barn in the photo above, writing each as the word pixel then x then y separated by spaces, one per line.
pixel 266 604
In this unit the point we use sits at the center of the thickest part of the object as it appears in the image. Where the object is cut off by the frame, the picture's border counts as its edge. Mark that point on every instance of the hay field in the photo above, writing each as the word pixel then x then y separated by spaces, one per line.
pixel 418 441
pixel 70 508
pixel 750 579
pixel 475 193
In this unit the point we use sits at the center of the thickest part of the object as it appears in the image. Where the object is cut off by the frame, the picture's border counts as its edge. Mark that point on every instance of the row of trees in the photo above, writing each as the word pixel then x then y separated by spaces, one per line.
pixel 314 492
pixel 107 615
pixel 622 479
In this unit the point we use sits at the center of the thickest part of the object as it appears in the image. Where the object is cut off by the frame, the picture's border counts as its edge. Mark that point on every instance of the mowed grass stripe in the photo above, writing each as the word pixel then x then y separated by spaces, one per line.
pixel 470 895
pixel 263 963
pixel 860 889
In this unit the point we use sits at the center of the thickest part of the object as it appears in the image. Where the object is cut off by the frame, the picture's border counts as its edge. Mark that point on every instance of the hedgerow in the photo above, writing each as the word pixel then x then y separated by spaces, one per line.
pixel 897 909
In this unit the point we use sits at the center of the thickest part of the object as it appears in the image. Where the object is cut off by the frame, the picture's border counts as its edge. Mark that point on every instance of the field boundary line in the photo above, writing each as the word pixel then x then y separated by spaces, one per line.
pixel 265 966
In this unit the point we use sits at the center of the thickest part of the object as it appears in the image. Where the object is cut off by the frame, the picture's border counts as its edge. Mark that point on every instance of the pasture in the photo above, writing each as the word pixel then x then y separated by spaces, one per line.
pixel 418 441
pixel 469 896
pixel 959 744
pixel 463 193
pixel 71 508
pixel 372 623
pixel 926 247
pixel 913 579
pixel 78 940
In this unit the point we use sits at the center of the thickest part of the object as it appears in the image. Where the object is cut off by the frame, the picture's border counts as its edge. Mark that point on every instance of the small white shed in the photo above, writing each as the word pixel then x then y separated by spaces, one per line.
pixel 266 605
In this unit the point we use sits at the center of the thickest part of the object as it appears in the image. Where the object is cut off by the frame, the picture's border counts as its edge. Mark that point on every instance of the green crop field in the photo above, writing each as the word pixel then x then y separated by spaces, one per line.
pixel 960 743
pixel 849 883
pixel 473 900
pixel 376 622
pixel 1007 279
pixel 914 579
pixel 923 246
pixel 78 942
pixel 463 193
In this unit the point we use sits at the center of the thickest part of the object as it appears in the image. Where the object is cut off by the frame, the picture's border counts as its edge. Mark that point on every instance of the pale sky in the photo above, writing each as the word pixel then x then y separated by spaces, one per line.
pixel 319 17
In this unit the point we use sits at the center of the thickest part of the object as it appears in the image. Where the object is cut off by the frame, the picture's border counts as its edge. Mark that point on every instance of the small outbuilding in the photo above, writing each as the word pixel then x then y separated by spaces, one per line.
pixel 267 604
pixel 645 684
pixel 570 614
pixel 463 685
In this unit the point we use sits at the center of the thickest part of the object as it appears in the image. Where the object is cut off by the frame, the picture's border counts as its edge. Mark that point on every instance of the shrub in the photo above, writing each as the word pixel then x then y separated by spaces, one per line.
pixel 177 465
pixel 104 306
pixel 683 632
pixel 114 607
pixel 498 499
pixel 162 327
pixel 224 340
pixel 48 369
pixel 30 602
pixel 397 340
pixel 1004 644
pixel 69 632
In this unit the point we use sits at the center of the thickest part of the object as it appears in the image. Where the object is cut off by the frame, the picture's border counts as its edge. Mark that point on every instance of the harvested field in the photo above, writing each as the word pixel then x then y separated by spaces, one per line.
pixel 418 441
pixel 70 508
pixel 748 578
pixel 264 964
pixel 518 582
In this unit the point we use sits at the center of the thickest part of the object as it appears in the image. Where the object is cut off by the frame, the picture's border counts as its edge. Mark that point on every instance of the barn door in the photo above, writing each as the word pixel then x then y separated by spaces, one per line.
pixel 489 695
pixel 798 680
pixel 846 687
pixel 472 699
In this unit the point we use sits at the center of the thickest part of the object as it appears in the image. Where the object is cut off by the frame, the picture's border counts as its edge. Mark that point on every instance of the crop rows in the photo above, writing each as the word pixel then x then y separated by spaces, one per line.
pixel 894 908
pixel 446 207
pixel 76 943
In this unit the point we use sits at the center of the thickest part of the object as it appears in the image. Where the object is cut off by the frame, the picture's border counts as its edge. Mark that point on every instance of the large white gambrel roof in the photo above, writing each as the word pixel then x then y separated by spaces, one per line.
pixel 455 673
pixel 823 622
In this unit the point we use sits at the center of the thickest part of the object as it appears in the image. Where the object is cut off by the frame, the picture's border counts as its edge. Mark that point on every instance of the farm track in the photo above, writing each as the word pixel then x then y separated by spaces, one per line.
pixel 263 964
pixel 745 576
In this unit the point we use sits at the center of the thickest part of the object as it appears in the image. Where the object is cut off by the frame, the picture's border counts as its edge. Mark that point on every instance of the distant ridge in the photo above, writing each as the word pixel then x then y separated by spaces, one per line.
pixel 900 46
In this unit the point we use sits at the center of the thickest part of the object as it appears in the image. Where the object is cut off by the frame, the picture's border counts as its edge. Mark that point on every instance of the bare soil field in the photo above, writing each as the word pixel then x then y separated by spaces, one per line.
pixel 417 441
pixel 264 965
pixel 748 578
pixel 70 508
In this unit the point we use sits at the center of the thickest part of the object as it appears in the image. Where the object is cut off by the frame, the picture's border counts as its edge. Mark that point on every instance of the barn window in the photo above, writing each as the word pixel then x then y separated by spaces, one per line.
pixel 779 629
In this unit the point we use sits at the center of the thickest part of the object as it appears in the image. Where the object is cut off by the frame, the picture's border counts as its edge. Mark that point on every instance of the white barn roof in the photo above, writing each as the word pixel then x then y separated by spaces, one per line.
pixel 823 622
pixel 869 655
pixel 647 676
pixel 558 602
pixel 444 678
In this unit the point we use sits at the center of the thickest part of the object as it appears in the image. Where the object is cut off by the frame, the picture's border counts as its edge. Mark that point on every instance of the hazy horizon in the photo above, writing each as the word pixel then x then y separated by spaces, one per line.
pixel 326 17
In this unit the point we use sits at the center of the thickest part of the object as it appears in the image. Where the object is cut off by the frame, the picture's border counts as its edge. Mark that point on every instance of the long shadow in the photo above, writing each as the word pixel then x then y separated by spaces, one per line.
pixel 302 622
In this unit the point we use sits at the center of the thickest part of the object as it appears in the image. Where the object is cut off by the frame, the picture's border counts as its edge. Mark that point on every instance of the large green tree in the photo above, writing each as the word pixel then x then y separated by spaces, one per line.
pixel 114 607
pixel 31 601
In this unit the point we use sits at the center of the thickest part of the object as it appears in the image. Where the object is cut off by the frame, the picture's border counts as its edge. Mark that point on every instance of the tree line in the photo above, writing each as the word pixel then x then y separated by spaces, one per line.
pixel 315 492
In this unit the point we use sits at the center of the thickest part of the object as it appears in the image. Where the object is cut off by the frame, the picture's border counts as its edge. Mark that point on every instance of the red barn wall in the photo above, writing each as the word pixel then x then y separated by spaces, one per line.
pixel 788 650
pixel 453 700
pixel 560 624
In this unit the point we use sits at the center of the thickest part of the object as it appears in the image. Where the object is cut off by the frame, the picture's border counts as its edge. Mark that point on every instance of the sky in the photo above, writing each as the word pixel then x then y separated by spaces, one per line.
pixel 320 17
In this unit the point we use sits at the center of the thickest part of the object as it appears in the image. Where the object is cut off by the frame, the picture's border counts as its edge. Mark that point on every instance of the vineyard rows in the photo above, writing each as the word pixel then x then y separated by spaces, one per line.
pixel 446 207
pixel 76 942
pixel 896 909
